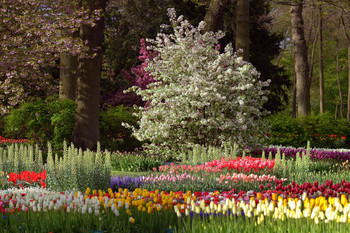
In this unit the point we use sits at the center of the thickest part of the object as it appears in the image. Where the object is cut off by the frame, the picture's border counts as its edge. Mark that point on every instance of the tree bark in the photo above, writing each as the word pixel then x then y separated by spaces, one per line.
pixel 242 28
pixel 300 60
pixel 214 15
pixel 336 112
pixel 294 103
pixel 348 39
pixel 312 55
pixel 68 76
pixel 68 70
pixel 348 113
pixel 86 119
pixel 320 45
pixel 338 82
pixel 338 72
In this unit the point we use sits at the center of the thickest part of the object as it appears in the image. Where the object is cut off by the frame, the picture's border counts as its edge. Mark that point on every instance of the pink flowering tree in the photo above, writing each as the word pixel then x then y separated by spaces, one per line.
pixel 33 33
pixel 139 77
pixel 142 77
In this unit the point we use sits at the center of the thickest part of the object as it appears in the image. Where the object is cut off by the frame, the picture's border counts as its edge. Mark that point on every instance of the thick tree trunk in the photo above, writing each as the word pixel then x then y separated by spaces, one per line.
pixel 320 45
pixel 300 60
pixel 242 28
pixel 86 119
pixel 68 70
pixel 214 15
pixel 68 76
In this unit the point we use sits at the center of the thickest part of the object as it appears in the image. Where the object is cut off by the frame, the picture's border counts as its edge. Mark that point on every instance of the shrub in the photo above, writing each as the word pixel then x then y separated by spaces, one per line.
pixel 135 162
pixel 321 130
pixel 42 120
pixel 113 135
pixel 53 120
pixel 200 96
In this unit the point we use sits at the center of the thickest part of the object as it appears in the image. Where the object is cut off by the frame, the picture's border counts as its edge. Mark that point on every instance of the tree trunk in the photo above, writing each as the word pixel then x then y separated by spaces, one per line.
pixel 320 45
pixel 86 119
pixel 312 55
pixel 300 60
pixel 348 39
pixel 294 97
pixel 348 115
pixel 336 111
pixel 338 82
pixel 68 70
pixel 68 76
pixel 242 28
pixel 214 15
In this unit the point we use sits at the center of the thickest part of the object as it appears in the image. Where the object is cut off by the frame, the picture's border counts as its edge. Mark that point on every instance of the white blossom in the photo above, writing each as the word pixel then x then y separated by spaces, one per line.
pixel 202 96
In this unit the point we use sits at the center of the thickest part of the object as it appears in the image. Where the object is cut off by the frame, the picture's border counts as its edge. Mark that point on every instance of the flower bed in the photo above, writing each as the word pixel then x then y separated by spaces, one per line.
pixel 134 208
pixel 326 154
pixel 246 164
pixel 232 194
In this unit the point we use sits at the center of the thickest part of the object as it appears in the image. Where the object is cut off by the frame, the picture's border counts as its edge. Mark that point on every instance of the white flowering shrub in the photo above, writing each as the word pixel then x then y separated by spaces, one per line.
pixel 200 96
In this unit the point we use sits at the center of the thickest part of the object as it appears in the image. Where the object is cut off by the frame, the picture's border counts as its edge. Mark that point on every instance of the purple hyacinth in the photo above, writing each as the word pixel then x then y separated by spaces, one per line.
pixel 126 182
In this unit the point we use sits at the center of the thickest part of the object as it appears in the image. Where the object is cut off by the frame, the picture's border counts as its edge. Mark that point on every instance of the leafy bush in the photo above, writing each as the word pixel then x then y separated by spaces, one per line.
pixel 321 130
pixel 113 135
pixel 133 162
pixel 42 121
pixel 53 120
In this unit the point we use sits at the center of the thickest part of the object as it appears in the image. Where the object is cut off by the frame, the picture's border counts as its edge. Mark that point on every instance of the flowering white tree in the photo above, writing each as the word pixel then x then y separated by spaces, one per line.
pixel 200 96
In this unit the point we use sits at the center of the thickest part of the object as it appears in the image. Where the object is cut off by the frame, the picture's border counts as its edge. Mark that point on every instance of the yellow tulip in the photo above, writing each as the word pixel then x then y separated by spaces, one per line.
pixel 132 220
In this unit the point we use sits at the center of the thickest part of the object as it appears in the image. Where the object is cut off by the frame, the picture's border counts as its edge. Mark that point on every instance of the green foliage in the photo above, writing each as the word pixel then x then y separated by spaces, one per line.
pixel 53 120
pixel 321 130
pixel 62 121
pixel 42 120
pixel 113 135
pixel 77 222
pixel 135 162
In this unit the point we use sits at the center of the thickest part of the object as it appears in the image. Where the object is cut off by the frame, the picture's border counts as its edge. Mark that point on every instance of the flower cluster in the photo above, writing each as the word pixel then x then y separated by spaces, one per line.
pixel 8 140
pixel 341 155
pixel 246 164
pixel 126 182
pixel 30 177
pixel 246 178
pixel 190 168
pixel 169 178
